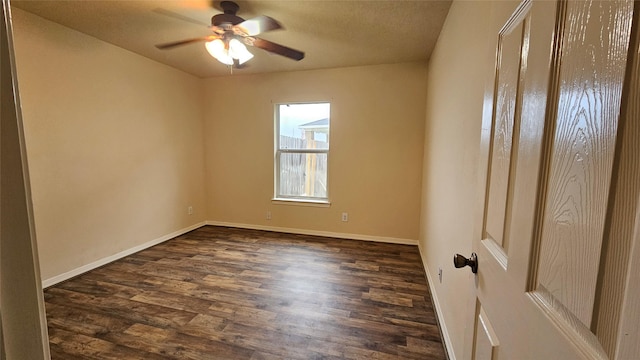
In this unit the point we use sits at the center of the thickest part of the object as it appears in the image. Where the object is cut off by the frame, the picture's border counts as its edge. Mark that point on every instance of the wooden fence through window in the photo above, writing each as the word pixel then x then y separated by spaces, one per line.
pixel 303 174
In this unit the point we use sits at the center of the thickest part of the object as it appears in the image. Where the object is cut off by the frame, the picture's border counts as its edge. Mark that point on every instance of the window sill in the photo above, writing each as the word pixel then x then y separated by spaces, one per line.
pixel 301 202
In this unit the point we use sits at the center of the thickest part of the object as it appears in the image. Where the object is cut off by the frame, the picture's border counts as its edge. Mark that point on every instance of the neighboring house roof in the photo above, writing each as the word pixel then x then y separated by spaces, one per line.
pixel 320 126
pixel 322 123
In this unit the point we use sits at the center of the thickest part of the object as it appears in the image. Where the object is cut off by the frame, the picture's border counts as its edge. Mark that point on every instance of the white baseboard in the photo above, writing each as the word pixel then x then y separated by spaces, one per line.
pixel 96 264
pixel 446 339
pixel 317 233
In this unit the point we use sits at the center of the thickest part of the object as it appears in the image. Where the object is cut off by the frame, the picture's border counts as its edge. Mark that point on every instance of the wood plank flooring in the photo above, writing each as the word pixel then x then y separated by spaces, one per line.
pixel 224 293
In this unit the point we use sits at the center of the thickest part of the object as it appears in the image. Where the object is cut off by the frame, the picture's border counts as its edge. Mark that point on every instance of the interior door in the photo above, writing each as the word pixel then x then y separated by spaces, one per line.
pixel 560 175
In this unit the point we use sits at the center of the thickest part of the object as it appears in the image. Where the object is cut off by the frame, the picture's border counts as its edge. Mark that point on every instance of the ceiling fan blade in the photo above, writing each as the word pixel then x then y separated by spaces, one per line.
pixel 278 49
pixel 258 25
pixel 185 42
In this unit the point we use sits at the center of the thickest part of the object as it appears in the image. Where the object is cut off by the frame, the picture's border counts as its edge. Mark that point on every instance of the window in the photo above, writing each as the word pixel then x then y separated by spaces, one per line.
pixel 302 151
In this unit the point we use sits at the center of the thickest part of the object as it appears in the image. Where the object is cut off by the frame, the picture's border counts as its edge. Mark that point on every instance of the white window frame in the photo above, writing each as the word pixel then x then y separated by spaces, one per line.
pixel 288 199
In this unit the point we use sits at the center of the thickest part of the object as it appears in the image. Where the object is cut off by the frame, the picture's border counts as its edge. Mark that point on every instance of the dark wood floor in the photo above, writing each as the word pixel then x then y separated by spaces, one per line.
pixel 222 293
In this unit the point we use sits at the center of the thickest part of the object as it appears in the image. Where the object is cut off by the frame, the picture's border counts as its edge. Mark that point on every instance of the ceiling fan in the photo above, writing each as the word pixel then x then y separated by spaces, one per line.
pixel 231 33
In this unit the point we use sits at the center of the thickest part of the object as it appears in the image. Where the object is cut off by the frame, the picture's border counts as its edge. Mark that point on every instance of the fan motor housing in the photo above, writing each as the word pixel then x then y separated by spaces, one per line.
pixel 229 17
pixel 219 19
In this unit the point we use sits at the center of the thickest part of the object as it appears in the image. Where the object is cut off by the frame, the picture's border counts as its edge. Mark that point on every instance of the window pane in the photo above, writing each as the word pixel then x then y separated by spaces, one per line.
pixel 303 175
pixel 304 126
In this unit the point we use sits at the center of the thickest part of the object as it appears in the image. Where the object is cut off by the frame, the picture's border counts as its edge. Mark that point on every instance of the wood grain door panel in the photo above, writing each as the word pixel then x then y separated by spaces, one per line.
pixel 561 177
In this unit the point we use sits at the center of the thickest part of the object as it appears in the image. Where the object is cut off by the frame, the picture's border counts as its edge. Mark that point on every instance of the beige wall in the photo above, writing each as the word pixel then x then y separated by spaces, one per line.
pixel 457 71
pixel 114 143
pixel 377 129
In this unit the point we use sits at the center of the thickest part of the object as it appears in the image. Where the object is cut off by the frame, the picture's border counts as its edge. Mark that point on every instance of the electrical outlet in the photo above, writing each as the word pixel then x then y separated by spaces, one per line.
pixel 345 216
pixel 190 210
pixel 268 215
pixel 440 274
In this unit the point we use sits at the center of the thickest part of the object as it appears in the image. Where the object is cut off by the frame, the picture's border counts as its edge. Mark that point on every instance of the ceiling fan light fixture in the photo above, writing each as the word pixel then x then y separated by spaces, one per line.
pixel 237 50
pixel 231 33
pixel 226 54
pixel 217 49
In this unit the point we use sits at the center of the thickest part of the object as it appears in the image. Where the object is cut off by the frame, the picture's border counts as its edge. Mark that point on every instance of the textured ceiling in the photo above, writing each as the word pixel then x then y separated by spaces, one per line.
pixel 331 33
